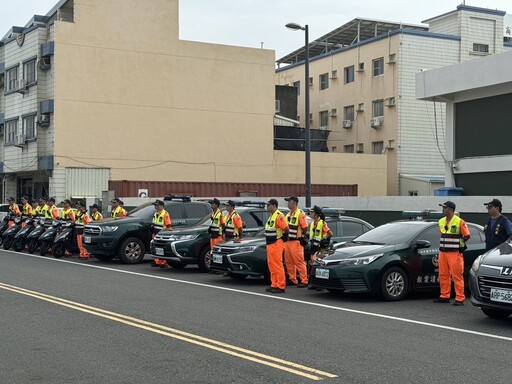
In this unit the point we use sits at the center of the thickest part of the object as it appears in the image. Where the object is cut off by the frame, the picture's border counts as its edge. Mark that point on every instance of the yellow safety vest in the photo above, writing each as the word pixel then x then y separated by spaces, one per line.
pixel 272 233
pixel 316 234
pixel 215 228
pixel 293 224
pixel 451 237
pixel 230 231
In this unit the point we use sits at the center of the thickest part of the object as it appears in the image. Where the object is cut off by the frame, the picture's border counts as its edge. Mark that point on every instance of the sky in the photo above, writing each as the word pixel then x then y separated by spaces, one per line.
pixel 260 23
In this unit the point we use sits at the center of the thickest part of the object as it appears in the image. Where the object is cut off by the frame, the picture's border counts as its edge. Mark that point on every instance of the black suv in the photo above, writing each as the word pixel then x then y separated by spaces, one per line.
pixel 128 238
pixel 191 245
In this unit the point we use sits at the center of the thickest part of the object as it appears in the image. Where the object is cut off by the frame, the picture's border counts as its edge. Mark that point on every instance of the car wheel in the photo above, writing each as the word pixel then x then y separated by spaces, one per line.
pixel 495 313
pixel 176 265
pixel 32 246
pixel 394 284
pixel 132 251
pixel 104 257
pixel 205 260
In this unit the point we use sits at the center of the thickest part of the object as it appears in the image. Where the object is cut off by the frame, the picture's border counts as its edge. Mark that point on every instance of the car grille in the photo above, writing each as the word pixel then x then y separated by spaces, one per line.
pixel 92 230
pixel 224 250
pixel 485 283
pixel 349 284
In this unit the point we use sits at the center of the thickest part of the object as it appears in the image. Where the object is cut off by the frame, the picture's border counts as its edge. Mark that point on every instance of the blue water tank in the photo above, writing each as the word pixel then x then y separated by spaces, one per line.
pixel 449 191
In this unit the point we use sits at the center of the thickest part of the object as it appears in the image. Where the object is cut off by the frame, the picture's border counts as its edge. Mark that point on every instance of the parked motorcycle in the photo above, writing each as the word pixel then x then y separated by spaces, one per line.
pixel 65 240
pixel 47 238
pixel 10 232
pixel 33 237
pixel 4 224
pixel 20 239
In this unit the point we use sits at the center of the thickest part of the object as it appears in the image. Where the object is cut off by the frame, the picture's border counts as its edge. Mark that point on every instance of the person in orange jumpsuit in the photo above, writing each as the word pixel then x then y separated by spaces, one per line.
pixel 454 234
pixel 276 234
pixel 234 226
pixel 82 219
pixel 218 223
pixel 293 250
pixel 161 222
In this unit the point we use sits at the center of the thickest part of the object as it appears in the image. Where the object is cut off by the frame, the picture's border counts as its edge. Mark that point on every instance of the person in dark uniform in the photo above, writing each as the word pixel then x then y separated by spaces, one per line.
pixel 497 228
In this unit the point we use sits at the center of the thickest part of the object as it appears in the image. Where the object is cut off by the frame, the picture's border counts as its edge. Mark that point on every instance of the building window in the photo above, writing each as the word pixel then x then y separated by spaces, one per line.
pixel 10 131
pixel 349 74
pixel 324 118
pixel 324 81
pixel 296 84
pixel 378 108
pixel 413 193
pixel 348 113
pixel 378 67
pixel 377 147
pixel 29 127
pixel 483 48
pixel 348 148
pixel 29 72
pixel 12 78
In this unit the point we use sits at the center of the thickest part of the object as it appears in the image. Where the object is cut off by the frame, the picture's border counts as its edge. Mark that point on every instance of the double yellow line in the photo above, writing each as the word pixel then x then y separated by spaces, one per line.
pixel 256 357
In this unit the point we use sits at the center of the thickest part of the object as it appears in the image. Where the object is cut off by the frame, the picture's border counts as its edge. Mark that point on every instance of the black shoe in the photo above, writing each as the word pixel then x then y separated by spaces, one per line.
pixel 270 289
pixel 441 300
pixel 458 303
pixel 277 290
pixel 300 285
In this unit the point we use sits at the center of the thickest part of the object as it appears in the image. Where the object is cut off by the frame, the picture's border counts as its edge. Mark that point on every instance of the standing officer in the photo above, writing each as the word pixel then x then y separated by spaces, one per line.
pixel 26 210
pixel 217 224
pixel 497 227
pixel 117 210
pixel 124 212
pixel 293 250
pixel 95 213
pixel 14 210
pixel 82 219
pixel 161 222
pixel 319 236
pixel 234 226
pixel 67 211
pixel 454 234
pixel 276 234
pixel 51 213
pixel 36 209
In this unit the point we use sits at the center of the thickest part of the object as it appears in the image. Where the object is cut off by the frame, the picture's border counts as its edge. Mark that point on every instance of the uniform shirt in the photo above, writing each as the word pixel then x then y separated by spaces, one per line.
pixel 27 210
pixel 68 214
pixel 97 216
pixel 14 209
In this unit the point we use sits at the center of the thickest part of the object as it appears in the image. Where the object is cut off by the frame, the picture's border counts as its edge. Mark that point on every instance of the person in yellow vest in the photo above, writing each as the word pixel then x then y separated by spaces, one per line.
pixel 95 213
pixel 43 207
pixel 26 210
pixel 161 222
pixel 35 208
pixel 319 236
pixel 454 234
pixel 233 227
pixel 124 212
pixel 82 219
pixel 117 210
pixel 293 250
pixel 276 234
pixel 52 213
pixel 14 210
pixel 67 212
pixel 218 222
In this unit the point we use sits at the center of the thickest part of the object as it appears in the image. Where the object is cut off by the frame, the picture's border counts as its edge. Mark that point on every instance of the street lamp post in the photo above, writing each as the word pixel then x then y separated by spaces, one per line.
pixel 296 27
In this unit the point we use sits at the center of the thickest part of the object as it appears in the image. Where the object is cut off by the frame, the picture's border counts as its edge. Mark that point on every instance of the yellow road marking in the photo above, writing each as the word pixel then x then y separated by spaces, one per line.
pixel 219 346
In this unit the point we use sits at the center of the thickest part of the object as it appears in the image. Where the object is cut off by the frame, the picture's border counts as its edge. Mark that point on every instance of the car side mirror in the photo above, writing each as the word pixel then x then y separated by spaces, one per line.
pixel 422 244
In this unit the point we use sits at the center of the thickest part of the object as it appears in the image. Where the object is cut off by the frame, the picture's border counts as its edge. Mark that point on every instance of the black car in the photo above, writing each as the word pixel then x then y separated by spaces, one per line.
pixel 191 245
pixel 490 281
pixel 391 260
pixel 128 238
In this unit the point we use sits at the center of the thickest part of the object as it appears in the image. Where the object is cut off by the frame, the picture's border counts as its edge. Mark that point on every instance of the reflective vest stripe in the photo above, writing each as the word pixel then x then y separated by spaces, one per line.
pixel 215 228
pixel 272 233
pixel 451 238
pixel 293 224
pixel 316 233
pixel 230 230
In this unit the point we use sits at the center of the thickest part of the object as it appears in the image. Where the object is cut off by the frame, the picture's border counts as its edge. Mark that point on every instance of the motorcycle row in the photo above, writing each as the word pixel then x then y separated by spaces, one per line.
pixel 38 234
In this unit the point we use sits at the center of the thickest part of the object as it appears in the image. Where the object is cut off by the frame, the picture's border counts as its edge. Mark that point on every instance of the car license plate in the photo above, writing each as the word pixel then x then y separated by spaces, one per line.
pixel 87 239
pixel 217 259
pixel 501 295
pixel 322 273
pixel 159 251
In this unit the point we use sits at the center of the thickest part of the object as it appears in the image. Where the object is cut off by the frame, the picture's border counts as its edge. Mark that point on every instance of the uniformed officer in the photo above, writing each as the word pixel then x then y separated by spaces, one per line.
pixel 293 250
pixel 26 209
pixel 67 212
pixel 454 234
pixel 217 224
pixel 117 210
pixel 161 221
pixel 319 236
pixel 95 213
pixel 497 227
pixel 234 227
pixel 51 213
pixel 82 219
pixel 14 210
pixel 276 234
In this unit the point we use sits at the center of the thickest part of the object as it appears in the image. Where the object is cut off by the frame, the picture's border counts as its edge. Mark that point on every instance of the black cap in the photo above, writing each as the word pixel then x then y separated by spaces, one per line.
pixel 495 203
pixel 159 202
pixel 448 204
pixel 10 199
pixel 214 201
pixel 292 198
pixel 81 204
pixel 229 203
pixel 67 201
pixel 116 200
pixel 272 202
pixel 43 199
pixel 52 199
pixel 317 210
pixel 95 206
pixel 24 198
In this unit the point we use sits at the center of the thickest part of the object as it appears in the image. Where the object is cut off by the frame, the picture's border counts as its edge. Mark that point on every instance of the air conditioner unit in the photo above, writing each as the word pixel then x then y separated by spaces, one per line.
pixel 334 74
pixel 360 67
pixel 392 58
pixel 19 140
pixel 360 107
pixel 44 120
pixel 360 148
pixel 376 122
pixel 21 86
pixel 334 112
pixel 390 102
pixel 347 123
pixel 44 63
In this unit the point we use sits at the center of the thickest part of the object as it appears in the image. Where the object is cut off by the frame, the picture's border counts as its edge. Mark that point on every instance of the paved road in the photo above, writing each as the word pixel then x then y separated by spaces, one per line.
pixel 70 321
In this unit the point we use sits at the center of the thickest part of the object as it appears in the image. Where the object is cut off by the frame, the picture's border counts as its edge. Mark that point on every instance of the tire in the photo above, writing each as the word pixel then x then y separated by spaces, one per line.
pixel 205 260
pixel 495 313
pixel 7 243
pixel 58 250
pixel 1 240
pixel 104 257
pixel 43 249
pixel 32 246
pixel 176 265
pixel 394 284
pixel 18 244
pixel 132 251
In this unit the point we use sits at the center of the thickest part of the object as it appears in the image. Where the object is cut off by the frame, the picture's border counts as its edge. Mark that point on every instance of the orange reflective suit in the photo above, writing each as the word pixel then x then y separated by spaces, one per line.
pixel 274 230
pixel 293 250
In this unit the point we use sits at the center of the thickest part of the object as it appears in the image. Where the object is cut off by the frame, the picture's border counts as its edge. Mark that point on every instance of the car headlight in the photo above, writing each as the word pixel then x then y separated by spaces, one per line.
pixel 247 249
pixel 184 237
pixel 352 261
pixel 109 228
pixel 476 263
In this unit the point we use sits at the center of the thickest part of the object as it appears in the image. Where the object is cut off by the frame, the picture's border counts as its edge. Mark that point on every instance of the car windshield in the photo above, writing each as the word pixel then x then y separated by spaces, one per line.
pixel 205 221
pixel 391 233
pixel 143 211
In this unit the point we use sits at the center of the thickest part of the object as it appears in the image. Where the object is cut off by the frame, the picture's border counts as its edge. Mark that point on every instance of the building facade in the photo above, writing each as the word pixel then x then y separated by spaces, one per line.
pixel 98 91
pixel 362 87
